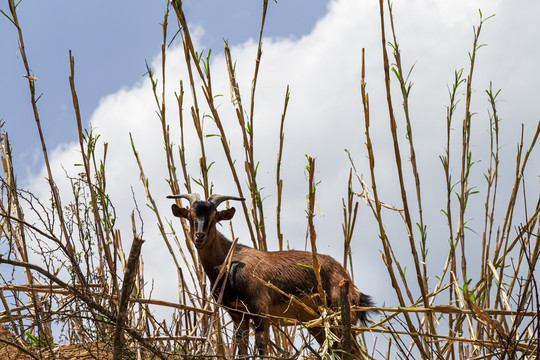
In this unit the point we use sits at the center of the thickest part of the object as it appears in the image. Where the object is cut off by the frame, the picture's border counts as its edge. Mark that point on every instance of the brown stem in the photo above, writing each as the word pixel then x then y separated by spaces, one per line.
pixel 127 288
pixel 420 276
pixel 311 227
pixel 279 181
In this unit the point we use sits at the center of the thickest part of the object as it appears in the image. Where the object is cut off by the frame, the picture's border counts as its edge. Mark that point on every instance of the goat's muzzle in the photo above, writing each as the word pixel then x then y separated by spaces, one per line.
pixel 199 240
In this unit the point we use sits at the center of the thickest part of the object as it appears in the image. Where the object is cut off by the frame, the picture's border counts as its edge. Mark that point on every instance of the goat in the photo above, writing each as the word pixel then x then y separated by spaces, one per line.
pixel 245 296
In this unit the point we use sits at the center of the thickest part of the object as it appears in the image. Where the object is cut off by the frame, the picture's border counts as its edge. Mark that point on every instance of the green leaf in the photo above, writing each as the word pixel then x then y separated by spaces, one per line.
pixel 10 19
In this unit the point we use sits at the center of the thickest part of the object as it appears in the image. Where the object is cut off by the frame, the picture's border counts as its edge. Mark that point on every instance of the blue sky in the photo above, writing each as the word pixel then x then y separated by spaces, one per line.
pixel 110 41
pixel 315 47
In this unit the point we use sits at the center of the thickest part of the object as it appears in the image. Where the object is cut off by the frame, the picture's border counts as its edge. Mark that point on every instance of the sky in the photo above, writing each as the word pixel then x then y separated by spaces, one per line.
pixel 102 36
pixel 313 47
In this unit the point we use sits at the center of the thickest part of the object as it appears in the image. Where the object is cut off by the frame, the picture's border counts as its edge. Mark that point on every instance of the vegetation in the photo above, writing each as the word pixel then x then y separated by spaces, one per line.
pixel 71 281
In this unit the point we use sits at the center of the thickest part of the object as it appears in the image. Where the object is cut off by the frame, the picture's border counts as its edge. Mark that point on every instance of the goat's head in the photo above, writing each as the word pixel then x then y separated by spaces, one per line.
pixel 203 215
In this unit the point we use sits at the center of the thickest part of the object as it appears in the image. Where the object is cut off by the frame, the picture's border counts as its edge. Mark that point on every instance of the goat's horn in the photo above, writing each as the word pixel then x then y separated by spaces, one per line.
pixel 191 197
pixel 218 199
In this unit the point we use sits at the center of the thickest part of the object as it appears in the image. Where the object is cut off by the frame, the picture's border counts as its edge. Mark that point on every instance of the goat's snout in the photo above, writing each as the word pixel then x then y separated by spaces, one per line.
pixel 199 239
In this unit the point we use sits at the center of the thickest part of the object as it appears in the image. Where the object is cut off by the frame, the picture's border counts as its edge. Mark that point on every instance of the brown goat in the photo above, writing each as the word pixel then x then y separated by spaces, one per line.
pixel 245 296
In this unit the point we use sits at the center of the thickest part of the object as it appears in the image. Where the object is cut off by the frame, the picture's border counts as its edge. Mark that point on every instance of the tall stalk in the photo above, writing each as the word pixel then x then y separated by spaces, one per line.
pixel 421 278
pixel 279 180
pixel 387 255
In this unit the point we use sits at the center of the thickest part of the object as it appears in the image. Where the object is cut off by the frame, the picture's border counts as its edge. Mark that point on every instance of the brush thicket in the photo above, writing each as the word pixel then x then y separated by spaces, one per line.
pixel 82 288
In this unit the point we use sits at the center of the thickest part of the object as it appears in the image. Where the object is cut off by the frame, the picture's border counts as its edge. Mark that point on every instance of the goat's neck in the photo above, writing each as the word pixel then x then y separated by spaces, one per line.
pixel 214 255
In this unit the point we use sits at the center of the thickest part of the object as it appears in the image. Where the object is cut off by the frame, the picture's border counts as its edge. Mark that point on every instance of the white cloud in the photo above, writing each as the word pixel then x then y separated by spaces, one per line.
pixel 325 117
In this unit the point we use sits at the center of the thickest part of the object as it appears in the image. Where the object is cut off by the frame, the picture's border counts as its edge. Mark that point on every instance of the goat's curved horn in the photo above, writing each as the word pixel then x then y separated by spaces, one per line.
pixel 218 199
pixel 191 197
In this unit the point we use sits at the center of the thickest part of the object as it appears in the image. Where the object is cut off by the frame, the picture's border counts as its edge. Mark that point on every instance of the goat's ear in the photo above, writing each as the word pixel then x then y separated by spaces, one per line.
pixel 225 214
pixel 179 212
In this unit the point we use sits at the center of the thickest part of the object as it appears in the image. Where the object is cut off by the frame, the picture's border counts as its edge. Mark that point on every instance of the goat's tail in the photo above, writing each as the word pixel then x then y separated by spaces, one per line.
pixel 360 299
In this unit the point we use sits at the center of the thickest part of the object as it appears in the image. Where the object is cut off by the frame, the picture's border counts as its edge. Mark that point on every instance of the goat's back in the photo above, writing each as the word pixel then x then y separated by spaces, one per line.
pixel 292 273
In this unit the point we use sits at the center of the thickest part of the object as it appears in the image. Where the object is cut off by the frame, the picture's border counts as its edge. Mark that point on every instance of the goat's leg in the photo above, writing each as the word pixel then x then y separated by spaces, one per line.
pixel 318 334
pixel 241 332
pixel 261 335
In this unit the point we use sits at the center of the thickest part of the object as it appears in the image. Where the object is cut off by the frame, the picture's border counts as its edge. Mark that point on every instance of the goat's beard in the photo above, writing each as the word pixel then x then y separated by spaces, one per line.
pixel 199 245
